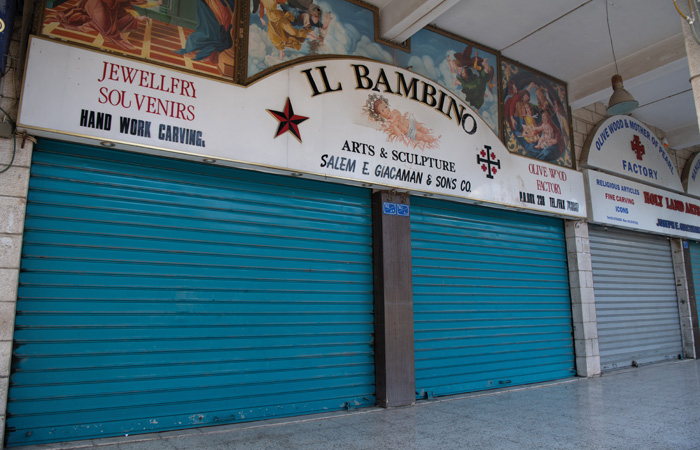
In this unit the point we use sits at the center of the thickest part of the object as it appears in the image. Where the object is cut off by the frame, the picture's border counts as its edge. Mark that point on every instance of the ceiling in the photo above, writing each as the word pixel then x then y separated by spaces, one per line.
pixel 569 40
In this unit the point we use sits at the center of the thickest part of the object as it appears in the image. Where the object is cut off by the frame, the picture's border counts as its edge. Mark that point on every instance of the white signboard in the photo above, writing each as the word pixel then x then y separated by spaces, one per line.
pixel 625 146
pixel 626 204
pixel 691 176
pixel 349 120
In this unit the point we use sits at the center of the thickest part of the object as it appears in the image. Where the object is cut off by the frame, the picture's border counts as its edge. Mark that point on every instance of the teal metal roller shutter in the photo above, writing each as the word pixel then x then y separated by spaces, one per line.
pixel 159 294
pixel 635 298
pixel 491 298
pixel 695 264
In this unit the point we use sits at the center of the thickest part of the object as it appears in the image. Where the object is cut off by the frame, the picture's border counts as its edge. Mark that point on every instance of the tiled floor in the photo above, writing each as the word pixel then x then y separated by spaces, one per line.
pixel 652 407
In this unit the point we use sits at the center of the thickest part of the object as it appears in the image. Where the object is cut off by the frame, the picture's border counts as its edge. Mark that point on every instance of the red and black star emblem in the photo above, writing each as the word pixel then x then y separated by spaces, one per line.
pixel 288 121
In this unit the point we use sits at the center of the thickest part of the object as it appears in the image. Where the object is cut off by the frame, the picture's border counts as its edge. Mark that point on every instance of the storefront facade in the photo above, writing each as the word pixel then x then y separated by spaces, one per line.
pixel 637 208
pixel 120 239
pixel 331 234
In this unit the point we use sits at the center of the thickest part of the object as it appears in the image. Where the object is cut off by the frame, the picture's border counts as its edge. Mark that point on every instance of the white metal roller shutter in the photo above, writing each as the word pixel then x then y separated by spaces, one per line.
pixel 635 294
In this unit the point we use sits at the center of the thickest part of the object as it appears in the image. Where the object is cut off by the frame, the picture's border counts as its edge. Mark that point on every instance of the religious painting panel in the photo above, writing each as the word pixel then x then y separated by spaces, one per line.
pixel 281 31
pixel 468 70
pixel 184 34
pixel 536 116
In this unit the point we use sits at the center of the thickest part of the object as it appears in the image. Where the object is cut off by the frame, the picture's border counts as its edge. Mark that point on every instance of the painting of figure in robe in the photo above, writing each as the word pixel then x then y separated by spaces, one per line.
pixel 284 30
pixel 213 35
pixel 196 35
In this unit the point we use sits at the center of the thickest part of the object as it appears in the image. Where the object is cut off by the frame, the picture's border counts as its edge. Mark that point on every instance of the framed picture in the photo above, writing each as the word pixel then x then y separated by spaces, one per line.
pixel 468 70
pixel 184 34
pixel 536 118
pixel 282 32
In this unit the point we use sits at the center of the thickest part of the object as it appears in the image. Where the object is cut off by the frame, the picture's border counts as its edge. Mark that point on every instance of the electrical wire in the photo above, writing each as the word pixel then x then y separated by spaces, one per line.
pixel 8 116
pixel 690 19
pixel 693 10
pixel 14 142
pixel 14 152
pixel 12 64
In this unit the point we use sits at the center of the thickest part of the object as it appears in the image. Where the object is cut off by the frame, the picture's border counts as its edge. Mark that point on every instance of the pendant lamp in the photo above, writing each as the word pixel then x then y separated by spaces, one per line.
pixel 621 101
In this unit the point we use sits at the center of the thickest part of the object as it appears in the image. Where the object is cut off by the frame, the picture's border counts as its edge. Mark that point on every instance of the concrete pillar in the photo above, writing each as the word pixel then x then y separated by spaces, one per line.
pixel 393 301
pixel 15 162
pixel 692 50
pixel 578 251
pixel 13 199
pixel 680 270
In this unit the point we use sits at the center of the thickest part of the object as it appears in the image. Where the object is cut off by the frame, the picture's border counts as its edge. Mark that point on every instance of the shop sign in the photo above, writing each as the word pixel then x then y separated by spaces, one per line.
pixel 627 204
pixel 624 146
pixel 347 120
pixel 691 176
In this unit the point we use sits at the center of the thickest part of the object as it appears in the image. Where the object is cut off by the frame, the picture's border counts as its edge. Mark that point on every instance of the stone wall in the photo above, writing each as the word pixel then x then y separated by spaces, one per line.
pixel 14 182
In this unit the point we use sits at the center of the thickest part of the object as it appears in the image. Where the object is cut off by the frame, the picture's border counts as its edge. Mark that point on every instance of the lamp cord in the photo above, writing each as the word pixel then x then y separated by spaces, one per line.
pixel 607 19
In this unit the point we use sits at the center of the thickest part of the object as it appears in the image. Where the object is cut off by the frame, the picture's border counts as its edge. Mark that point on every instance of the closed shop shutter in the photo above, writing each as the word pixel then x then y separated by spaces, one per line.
pixel 635 295
pixel 491 298
pixel 159 294
pixel 695 264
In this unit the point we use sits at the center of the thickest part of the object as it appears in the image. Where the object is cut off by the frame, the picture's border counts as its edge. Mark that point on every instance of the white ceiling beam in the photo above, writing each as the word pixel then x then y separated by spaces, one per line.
pixel 401 19
pixel 595 86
